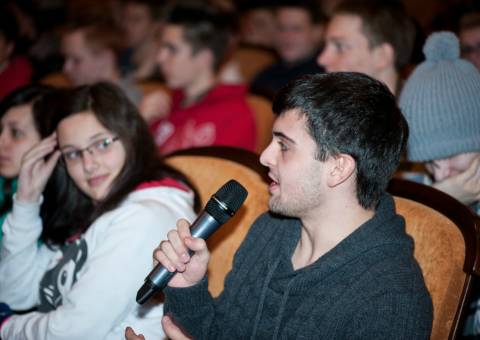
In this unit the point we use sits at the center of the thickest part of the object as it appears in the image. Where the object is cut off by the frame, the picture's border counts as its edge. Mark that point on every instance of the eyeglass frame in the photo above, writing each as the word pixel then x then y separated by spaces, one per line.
pixel 92 149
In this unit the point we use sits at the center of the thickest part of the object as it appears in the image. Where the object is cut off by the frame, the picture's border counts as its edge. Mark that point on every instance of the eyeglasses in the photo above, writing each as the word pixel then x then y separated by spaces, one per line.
pixel 98 147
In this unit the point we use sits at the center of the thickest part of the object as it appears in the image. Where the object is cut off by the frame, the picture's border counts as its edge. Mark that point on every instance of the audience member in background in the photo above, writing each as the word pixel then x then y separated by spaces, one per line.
pixel 141 23
pixel 257 23
pixel 442 105
pixel 19 132
pixel 15 70
pixel 112 199
pixel 331 260
pixel 252 49
pixel 469 35
pixel 109 11
pixel 91 52
pixel 298 38
pixel 201 111
pixel 374 37
pixel 328 6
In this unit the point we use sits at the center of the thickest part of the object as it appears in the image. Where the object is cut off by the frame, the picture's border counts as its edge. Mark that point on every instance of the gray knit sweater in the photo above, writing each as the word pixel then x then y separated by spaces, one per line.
pixel 368 287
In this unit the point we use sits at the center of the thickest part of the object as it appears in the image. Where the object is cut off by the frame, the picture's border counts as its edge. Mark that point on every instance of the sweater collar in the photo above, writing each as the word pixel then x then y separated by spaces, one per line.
pixel 384 228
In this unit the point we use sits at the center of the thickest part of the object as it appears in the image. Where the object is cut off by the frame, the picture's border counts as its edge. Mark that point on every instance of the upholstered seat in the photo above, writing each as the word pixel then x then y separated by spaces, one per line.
pixel 446 247
pixel 209 168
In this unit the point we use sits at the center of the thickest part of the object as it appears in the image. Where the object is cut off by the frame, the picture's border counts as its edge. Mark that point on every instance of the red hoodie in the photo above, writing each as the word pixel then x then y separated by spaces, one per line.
pixel 17 73
pixel 222 117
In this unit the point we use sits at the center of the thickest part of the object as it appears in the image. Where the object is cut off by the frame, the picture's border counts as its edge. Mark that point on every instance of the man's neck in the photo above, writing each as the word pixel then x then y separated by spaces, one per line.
pixel 390 77
pixel 198 89
pixel 111 74
pixel 326 228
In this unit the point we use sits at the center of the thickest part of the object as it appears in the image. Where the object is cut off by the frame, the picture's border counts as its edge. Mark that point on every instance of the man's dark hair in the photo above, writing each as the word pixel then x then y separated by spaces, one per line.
pixel 98 36
pixel 470 20
pixel 154 7
pixel 354 114
pixel 310 6
pixel 205 27
pixel 384 21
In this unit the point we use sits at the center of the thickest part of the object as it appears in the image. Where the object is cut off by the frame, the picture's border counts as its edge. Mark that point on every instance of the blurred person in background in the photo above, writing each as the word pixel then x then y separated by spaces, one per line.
pixel 257 24
pixel 91 52
pixel 252 42
pixel 298 38
pixel 15 70
pixel 19 132
pixel 469 34
pixel 441 103
pixel 374 37
pixel 200 111
pixel 141 24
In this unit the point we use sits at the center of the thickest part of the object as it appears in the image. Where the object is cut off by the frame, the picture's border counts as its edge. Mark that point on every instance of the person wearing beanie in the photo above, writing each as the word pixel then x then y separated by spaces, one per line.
pixel 441 102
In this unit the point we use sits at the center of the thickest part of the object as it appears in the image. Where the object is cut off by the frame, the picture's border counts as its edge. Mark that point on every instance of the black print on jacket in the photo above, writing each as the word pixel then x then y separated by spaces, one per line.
pixel 59 279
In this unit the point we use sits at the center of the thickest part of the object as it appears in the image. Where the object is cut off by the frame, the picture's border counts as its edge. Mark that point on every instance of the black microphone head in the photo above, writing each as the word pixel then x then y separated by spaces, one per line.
pixel 226 201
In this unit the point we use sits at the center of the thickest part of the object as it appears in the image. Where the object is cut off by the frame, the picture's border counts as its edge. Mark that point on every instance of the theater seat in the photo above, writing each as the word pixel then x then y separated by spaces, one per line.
pixel 209 168
pixel 446 247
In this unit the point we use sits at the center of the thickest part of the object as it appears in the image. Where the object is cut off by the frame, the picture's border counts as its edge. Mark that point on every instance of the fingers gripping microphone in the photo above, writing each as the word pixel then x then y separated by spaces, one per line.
pixel 223 205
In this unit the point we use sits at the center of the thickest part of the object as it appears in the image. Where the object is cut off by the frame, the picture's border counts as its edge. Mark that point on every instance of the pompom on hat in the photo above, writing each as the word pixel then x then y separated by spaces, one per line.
pixel 441 102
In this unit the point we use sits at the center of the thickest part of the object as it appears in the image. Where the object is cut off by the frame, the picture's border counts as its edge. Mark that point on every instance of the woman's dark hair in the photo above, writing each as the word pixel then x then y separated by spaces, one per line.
pixel 24 95
pixel 27 94
pixel 68 211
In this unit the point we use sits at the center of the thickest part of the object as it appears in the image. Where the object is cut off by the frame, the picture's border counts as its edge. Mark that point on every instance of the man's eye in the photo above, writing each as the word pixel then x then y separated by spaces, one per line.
pixel 340 47
pixel 283 146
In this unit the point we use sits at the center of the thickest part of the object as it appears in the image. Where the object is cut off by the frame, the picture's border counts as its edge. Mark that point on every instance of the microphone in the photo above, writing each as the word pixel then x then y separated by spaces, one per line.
pixel 219 209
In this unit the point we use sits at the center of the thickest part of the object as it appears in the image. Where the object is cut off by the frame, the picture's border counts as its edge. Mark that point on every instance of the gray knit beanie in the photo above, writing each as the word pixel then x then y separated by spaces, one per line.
pixel 441 102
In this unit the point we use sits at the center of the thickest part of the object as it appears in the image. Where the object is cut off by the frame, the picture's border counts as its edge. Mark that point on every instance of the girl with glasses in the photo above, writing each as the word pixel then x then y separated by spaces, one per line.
pixel 107 202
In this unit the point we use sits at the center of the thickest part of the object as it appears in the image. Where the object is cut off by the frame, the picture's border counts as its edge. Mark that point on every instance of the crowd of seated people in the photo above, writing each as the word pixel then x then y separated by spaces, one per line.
pixel 141 79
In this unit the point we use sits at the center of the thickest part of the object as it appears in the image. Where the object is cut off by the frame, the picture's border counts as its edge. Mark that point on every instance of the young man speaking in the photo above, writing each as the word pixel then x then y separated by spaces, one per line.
pixel 331 259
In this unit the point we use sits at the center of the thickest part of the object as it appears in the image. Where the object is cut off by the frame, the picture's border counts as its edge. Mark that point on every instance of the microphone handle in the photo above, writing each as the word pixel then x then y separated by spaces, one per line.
pixel 204 226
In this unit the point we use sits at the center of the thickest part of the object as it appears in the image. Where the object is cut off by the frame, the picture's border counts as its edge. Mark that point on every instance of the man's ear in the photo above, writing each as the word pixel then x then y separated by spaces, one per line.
pixel 384 56
pixel 342 167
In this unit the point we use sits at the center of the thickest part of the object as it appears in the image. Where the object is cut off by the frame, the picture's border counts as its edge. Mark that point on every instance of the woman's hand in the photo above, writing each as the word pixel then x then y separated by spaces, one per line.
pixel 35 170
